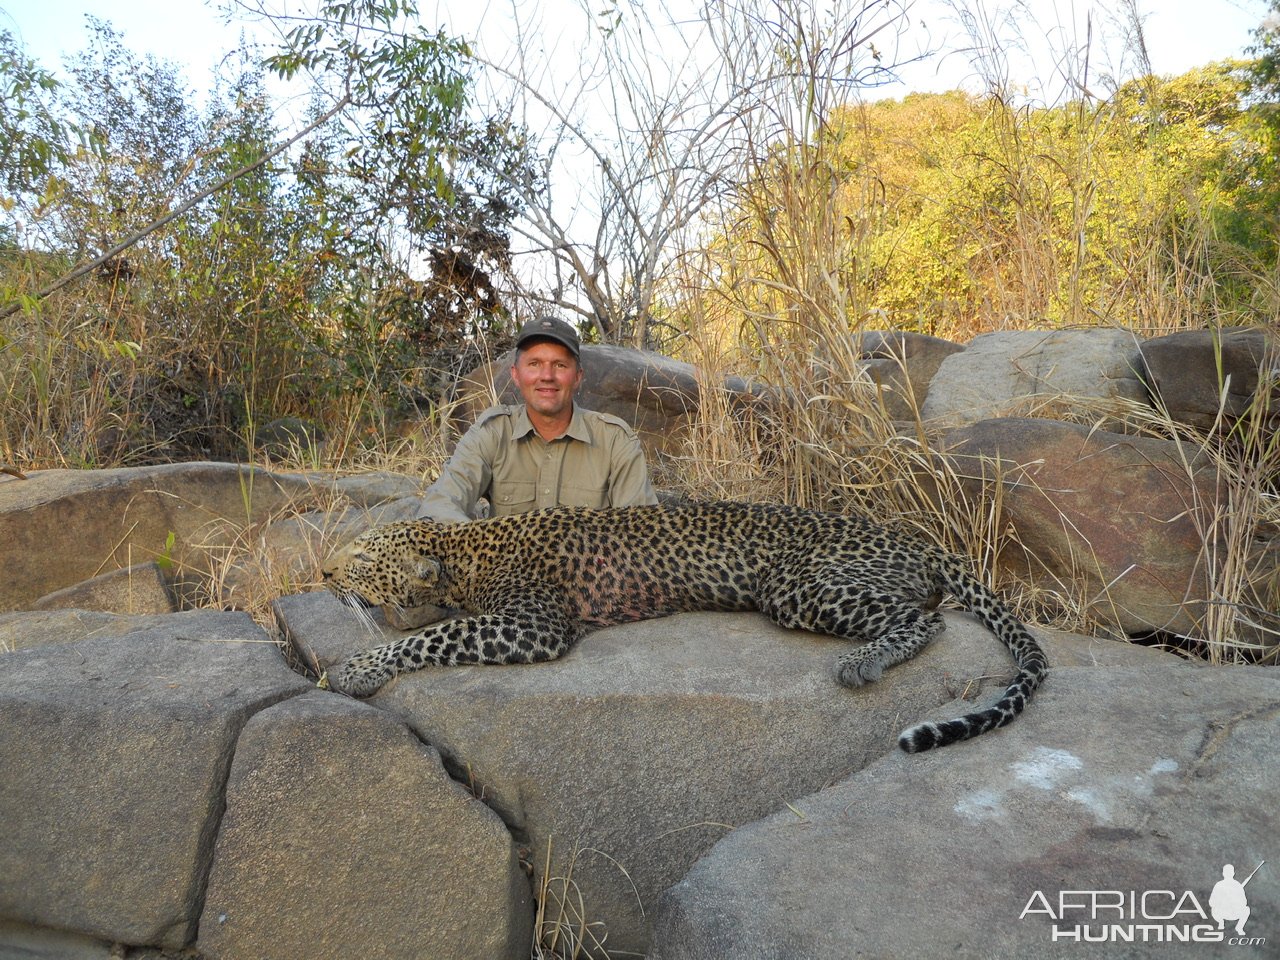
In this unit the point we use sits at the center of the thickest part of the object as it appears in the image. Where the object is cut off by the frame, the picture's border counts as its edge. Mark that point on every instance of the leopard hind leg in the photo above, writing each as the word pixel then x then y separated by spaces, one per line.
pixel 904 632
pixel 897 628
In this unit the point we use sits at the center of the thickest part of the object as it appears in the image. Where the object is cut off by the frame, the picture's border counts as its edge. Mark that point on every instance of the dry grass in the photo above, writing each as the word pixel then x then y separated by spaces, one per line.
pixel 251 564
pixel 562 928
pixel 772 297
pixel 821 436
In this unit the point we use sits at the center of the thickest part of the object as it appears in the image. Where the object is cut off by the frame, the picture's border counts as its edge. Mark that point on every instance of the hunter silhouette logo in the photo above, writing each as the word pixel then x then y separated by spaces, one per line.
pixel 1228 900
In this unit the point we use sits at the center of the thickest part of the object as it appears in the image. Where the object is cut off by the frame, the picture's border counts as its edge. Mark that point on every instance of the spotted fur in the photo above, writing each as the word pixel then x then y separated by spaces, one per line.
pixel 530 585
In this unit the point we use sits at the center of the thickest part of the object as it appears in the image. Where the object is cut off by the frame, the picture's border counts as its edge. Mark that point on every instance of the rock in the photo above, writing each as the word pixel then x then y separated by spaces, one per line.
pixel 343 837
pixel 942 854
pixel 1072 650
pixel 115 753
pixel 1009 372
pixel 376 488
pixel 24 630
pixel 634 753
pixel 1108 512
pixel 139 589
pixel 18 941
pixel 71 525
pixel 903 364
pixel 1187 371
pixel 320 631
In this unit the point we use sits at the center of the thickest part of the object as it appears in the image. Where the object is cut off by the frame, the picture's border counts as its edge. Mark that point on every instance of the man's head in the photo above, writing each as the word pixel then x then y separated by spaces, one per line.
pixel 546 368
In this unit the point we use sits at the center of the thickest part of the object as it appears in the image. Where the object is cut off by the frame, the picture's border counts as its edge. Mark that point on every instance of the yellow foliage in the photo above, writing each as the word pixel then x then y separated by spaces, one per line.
pixel 952 214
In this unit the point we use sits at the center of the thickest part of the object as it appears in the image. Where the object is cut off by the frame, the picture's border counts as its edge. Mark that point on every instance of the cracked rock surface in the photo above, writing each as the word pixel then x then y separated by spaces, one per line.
pixel 698 786
pixel 1132 779
pixel 344 837
pixel 115 752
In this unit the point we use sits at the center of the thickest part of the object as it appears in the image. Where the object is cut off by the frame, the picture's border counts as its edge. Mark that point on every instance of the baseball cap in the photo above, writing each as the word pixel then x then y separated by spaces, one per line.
pixel 549 328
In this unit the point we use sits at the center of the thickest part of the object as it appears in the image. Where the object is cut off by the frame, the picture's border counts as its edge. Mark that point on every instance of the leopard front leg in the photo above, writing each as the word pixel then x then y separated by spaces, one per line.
pixel 522 636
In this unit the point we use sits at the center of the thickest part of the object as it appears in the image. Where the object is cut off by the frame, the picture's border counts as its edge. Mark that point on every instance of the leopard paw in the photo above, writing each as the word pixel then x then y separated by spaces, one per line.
pixel 856 668
pixel 362 675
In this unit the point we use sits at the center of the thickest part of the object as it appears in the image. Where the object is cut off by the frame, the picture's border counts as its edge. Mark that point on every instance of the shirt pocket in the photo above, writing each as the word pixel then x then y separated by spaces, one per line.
pixel 513 496
pixel 584 494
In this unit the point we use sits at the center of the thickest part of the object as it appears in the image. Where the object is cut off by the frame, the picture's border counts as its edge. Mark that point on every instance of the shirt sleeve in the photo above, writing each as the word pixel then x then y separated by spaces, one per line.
pixel 464 479
pixel 629 475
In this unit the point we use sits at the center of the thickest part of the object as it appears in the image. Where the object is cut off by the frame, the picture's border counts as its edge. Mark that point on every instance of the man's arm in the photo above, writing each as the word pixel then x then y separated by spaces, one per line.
pixel 464 479
pixel 629 474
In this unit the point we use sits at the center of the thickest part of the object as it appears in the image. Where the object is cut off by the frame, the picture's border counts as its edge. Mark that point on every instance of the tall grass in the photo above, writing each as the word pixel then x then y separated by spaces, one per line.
pixel 1240 529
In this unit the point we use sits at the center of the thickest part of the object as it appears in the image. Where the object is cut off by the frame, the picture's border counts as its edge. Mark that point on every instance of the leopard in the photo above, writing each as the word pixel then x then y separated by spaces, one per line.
pixel 525 588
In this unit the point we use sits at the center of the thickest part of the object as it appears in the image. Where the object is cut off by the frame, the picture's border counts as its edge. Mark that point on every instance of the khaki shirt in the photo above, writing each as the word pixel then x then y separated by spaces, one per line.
pixel 597 463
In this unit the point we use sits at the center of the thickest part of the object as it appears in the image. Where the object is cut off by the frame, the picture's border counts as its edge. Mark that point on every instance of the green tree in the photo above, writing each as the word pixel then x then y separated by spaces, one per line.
pixel 419 174
pixel 1148 208
pixel 1266 65
pixel 148 135
pixel 34 138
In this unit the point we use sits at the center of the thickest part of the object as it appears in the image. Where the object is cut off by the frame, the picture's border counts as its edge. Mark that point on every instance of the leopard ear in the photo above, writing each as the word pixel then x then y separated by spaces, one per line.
pixel 427 569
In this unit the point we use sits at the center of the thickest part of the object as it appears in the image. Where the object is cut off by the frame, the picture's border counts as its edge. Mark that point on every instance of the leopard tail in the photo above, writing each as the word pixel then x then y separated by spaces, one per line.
pixel 1033 666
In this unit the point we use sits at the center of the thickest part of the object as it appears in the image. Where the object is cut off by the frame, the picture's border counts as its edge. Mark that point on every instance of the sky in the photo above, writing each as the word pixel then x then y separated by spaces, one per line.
pixel 1180 34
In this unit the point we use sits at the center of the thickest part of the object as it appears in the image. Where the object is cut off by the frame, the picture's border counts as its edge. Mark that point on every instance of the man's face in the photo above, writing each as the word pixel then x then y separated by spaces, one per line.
pixel 547 375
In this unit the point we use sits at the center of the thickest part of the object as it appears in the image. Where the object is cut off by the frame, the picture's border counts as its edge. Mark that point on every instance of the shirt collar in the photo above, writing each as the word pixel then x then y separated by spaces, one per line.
pixel 522 426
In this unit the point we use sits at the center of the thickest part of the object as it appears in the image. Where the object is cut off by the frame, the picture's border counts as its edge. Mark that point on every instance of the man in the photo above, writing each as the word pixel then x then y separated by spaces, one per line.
pixel 546 451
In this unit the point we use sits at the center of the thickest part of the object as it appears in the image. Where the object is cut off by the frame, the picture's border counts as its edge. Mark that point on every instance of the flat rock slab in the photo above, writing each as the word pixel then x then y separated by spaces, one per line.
pixel 1133 779
pixel 26 629
pixel 633 754
pixel 115 753
pixel 21 942
pixel 371 488
pixel 421 869
pixel 140 589
pixel 72 525
pixel 321 631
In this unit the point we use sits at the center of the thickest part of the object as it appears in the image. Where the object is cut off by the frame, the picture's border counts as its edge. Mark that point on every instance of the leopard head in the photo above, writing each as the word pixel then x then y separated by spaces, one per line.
pixel 396 566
